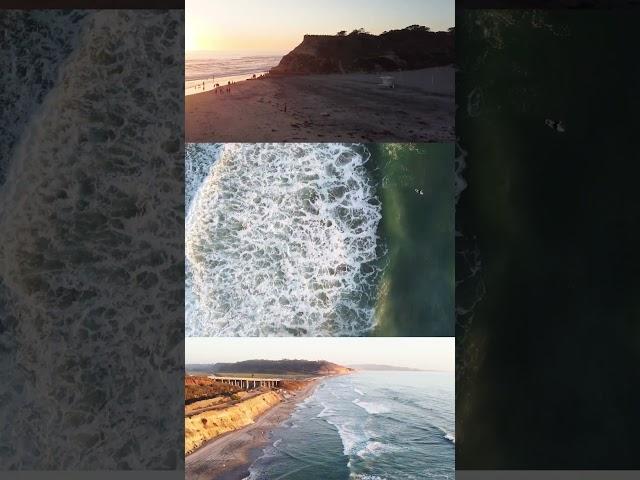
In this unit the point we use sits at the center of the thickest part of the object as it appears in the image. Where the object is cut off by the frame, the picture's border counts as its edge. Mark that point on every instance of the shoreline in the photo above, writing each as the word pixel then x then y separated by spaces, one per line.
pixel 229 456
pixel 222 80
pixel 351 107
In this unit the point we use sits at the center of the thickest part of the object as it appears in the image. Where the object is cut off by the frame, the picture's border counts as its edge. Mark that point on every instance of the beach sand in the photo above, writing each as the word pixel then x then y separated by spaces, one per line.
pixel 228 456
pixel 320 108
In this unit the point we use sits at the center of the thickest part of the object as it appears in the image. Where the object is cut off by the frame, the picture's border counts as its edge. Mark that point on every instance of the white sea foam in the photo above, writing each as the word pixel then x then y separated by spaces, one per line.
pixel 351 437
pixel 450 436
pixel 374 449
pixel 199 159
pixel 359 392
pixel 326 411
pixel 351 433
pixel 371 407
pixel 88 210
pixel 281 240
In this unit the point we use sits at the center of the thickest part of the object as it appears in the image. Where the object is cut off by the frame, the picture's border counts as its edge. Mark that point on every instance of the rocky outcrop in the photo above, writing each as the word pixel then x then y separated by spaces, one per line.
pixel 200 428
pixel 408 49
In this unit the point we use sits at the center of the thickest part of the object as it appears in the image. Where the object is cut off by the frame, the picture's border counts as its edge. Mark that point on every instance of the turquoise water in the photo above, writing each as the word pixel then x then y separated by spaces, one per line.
pixel 367 426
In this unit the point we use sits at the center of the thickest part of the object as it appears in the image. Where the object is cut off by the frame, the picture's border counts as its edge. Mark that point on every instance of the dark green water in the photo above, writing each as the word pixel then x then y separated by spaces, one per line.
pixel 547 260
pixel 416 187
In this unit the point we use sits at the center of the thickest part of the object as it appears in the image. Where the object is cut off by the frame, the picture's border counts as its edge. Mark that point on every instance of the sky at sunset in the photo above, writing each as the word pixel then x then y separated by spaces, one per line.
pixel 277 26
pixel 422 353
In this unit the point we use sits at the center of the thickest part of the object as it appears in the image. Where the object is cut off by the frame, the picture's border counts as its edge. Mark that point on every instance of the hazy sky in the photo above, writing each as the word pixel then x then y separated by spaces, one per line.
pixel 423 353
pixel 277 26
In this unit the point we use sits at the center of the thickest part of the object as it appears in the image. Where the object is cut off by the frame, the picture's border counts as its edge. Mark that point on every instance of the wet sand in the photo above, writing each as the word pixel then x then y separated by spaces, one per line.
pixel 320 108
pixel 229 456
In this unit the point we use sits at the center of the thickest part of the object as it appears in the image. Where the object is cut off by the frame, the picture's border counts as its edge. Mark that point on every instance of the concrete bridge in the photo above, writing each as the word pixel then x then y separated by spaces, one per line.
pixel 249 382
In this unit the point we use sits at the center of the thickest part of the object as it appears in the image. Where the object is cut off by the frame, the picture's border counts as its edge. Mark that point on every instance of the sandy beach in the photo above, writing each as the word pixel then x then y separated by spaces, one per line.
pixel 228 456
pixel 334 107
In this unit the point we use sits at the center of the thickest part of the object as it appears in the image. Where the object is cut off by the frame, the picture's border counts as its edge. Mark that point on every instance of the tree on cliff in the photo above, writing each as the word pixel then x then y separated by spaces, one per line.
pixel 341 33
pixel 417 28
pixel 359 31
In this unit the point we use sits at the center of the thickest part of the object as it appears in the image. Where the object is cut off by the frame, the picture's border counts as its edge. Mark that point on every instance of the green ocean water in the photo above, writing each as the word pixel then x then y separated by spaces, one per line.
pixel 416 188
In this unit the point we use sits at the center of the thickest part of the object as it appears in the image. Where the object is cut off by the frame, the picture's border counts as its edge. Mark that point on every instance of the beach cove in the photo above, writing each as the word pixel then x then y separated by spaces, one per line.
pixel 351 106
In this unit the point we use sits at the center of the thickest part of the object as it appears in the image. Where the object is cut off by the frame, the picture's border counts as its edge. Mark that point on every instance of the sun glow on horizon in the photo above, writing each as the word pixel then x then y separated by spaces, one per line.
pixel 199 35
pixel 278 26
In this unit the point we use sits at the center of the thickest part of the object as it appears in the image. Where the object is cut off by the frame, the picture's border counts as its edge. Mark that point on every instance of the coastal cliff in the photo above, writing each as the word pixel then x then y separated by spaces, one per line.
pixel 412 48
pixel 203 427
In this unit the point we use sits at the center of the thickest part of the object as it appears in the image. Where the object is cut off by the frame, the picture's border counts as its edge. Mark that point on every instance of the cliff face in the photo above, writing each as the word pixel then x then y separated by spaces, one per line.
pixel 406 49
pixel 203 427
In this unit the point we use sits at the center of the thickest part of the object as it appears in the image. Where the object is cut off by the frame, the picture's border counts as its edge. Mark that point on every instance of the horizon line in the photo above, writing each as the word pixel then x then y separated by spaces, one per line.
pixel 352 365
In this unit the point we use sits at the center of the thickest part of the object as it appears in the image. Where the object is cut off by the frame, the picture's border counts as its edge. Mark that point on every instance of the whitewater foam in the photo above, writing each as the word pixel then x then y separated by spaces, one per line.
pixel 374 449
pixel 371 408
pixel 281 240
pixel 199 159
pixel 89 211
pixel 448 435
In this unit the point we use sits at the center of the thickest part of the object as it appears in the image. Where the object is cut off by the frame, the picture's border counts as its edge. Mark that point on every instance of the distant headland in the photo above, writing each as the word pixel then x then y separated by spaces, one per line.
pixel 273 367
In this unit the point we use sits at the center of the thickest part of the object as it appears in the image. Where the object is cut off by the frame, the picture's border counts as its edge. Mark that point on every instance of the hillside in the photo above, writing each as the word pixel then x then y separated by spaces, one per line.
pixel 197 388
pixel 412 48
pixel 274 367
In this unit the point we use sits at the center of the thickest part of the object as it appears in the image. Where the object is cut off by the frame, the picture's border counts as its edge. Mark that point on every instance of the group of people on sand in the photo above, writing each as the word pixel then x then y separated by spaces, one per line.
pixel 223 89
pixel 217 88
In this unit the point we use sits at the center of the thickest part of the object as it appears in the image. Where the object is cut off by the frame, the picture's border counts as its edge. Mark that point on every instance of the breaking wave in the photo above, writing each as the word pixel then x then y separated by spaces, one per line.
pixel 372 408
pixel 281 239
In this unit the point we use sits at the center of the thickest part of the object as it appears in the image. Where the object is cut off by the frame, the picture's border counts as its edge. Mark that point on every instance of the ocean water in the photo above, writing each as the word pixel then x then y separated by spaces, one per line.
pixel 89 260
pixel 367 426
pixel 319 239
pixel 204 66
pixel 548 230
